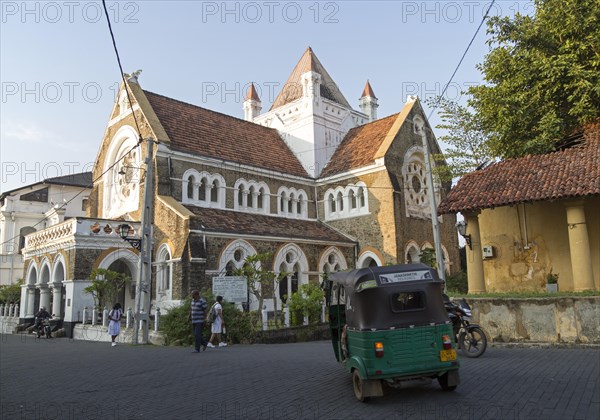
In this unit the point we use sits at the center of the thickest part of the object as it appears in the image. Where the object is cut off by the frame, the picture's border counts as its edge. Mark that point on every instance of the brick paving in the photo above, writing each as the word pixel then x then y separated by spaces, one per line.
pixel 67 379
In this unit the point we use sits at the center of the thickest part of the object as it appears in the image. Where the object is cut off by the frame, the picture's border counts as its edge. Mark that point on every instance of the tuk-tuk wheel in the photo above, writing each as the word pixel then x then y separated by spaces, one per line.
pixel 357 384
pixel 443 381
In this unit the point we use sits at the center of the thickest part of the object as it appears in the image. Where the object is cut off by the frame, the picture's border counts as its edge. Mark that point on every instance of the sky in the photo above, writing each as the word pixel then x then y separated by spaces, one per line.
pixel 59 72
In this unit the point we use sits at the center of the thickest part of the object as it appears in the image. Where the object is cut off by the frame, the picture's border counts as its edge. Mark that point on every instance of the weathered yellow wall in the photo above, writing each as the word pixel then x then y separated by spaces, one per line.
pixel 526 250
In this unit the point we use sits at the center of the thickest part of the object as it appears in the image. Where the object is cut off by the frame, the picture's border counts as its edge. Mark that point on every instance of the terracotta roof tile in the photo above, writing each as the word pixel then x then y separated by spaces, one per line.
pixel 292 89
pixel 197 130
pixel 359 146
pixel 368 91
pixel 239 223
pixel 252 93
pixel 569 173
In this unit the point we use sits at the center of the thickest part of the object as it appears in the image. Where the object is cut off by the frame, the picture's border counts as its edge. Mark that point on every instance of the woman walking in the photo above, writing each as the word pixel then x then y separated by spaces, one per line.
pixel 114 325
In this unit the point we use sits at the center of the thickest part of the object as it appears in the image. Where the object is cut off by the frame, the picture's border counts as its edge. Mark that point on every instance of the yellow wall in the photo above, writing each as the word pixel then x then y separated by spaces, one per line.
pixel 527 248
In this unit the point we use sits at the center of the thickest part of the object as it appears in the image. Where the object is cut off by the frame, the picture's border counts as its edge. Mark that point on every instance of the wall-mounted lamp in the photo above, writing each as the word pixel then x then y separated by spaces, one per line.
pixel 124 230
pixel 462 230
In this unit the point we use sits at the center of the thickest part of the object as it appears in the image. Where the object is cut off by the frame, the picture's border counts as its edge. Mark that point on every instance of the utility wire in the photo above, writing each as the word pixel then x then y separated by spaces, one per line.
pixel 437 102
pixel 112 36
pixel 11 240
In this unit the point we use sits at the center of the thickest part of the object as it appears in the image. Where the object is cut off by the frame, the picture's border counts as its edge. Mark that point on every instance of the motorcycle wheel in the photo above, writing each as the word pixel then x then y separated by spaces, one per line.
pixel 473 342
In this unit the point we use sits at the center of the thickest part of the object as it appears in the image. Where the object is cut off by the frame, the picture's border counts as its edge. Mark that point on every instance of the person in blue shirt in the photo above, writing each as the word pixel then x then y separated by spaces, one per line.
pixel 197 316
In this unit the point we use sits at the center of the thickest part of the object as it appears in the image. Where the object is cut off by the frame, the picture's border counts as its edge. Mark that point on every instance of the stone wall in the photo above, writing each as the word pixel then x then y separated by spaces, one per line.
pixel 550 320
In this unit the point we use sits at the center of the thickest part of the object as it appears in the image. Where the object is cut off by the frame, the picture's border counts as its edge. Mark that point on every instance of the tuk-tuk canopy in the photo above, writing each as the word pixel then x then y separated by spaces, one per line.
pixel 390 297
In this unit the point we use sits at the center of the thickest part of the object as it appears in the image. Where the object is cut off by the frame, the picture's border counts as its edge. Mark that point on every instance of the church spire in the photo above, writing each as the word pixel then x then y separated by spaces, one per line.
pixel 368 102
pixel 252 104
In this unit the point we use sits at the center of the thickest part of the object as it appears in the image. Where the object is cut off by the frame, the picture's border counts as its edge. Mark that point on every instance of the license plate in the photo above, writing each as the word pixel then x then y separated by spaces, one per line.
pixel 447 355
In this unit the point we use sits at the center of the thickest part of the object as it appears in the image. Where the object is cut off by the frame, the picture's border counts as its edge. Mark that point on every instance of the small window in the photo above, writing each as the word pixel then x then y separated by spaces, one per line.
pixel 84 203
pixel 40 196
pixel 407 301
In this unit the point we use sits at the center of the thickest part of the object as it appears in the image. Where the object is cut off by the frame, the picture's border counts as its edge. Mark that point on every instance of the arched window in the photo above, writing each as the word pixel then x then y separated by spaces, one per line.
pixel 290 260
pixel 260 199
pixel 202 189
pixel 22 233
pixel 361 197
pixel 339 200
pixel 214 191
pixel 332 260
pixel 290 207
pixel 251 194
pixel 352 199
pixel 163 272
pixel 240 196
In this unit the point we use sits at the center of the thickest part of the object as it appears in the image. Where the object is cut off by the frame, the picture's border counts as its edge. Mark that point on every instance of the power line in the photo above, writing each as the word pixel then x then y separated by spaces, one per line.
pixel 112 36
pixel 11 240
pixel 461 60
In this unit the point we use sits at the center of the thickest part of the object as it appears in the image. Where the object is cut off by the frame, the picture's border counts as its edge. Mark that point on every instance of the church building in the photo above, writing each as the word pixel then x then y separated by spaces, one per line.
pixel 318 184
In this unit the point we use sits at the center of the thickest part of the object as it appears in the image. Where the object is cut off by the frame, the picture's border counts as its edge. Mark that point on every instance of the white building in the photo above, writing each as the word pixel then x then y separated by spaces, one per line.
pixel 35 207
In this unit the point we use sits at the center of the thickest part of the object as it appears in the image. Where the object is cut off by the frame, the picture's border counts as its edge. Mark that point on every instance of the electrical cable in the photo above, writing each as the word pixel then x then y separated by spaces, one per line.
pixel 437 102
pixel 112 36
pixel 64 204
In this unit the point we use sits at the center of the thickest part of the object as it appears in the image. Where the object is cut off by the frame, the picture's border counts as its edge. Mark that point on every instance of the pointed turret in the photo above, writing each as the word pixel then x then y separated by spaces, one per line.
pixel 252 104
pixel 296 85
pixel 368 102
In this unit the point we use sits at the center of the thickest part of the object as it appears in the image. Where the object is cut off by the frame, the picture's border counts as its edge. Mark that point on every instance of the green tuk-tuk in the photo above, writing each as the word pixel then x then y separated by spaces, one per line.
pixel 388 324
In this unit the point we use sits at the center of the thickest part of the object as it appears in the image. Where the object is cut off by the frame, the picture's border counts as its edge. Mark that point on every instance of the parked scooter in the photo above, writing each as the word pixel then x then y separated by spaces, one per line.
pixel 470 338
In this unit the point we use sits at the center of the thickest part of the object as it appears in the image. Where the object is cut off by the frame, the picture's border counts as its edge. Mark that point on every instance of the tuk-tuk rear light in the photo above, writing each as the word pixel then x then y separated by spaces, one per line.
pixel 378 349
pixel 446 342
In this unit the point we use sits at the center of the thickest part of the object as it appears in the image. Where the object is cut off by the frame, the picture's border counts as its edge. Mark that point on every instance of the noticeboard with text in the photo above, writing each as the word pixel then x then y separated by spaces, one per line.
pixel 232 288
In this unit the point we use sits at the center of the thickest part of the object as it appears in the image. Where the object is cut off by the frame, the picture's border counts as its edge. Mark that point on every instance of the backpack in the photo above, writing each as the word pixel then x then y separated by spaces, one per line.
pixel 212 314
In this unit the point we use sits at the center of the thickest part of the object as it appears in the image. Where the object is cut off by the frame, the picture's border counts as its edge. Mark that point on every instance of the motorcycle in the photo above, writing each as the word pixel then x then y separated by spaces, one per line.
pixel 470 338
pixel 44 328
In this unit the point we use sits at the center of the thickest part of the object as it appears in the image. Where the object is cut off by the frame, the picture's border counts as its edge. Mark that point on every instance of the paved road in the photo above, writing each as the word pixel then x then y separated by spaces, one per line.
pixel 66 379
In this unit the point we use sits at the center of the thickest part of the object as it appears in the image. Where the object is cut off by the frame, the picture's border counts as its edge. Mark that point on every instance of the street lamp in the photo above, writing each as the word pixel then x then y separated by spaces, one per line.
pixel 124 231
pixel 462 230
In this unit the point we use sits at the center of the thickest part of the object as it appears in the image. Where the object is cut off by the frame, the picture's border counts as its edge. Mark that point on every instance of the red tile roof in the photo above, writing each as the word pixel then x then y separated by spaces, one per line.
pixel 239 223
pixel 197 130
pixel 359 146
pixel 292 89
pixel 368 91
pixel 569 173
pixel 252 93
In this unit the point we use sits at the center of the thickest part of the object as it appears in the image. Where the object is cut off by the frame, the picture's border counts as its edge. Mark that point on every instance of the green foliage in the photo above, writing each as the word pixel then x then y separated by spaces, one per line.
pixel 427 257
pixel 176 326
pixel 241 327
pixel 552 278
pixel 260 278
pixel 542 76
pixel 11 293
pixel 106 286
pixel 457 283
pixel 466 139
pixel 307 301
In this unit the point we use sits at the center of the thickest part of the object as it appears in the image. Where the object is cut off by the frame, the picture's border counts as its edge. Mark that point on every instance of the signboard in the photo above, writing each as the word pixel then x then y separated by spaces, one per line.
pixel 232 288
pixel 405 276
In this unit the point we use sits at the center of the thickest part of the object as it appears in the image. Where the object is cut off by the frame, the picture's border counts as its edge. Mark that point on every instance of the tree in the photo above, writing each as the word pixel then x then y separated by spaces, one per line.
pixel 106 286
pixel 466 137
pixel 306 302
pixel 428 257
pixel 11 293
pixel 543 76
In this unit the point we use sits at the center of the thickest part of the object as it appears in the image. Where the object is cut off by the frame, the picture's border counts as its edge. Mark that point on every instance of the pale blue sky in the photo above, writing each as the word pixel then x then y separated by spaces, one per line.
pixel 59 72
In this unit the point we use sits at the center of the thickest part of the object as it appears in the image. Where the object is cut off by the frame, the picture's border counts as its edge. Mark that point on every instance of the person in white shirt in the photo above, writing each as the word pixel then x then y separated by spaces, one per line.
pixel 217 324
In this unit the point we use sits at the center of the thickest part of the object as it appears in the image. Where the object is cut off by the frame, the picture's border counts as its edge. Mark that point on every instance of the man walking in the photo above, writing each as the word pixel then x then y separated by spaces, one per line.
pixel 197 315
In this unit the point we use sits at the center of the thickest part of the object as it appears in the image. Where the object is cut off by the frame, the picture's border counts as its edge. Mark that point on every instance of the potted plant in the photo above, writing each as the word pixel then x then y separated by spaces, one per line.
pixel 552 282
